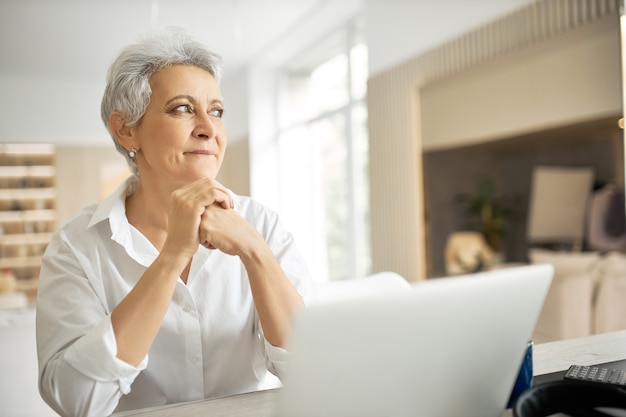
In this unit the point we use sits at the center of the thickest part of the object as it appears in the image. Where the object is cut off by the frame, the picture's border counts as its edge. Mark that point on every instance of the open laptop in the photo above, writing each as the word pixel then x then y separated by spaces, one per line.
pixel 446 347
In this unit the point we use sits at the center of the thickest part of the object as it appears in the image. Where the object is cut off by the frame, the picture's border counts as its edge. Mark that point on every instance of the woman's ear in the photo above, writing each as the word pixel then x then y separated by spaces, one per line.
pixel 123 133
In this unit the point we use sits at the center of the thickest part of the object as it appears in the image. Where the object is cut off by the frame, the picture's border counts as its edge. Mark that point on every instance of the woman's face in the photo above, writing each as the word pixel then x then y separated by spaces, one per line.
pixel 181 137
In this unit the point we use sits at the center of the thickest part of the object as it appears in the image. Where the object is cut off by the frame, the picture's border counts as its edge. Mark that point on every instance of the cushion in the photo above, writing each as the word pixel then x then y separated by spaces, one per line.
pixel 610 303
pixel 568 309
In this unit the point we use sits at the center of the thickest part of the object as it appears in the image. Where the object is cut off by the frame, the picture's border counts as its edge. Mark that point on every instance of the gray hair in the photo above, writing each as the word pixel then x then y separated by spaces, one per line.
pixel 128 80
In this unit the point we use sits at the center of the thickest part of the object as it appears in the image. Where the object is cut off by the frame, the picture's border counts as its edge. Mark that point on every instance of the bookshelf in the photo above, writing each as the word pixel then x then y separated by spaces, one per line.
pixel 27 210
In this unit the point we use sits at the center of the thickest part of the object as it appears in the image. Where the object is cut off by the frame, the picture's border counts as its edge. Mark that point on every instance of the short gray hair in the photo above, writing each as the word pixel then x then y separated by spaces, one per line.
pixel 128 80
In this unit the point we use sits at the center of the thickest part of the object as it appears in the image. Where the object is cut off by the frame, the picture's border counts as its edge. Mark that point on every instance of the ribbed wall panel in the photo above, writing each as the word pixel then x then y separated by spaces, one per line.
pixel 394 180
pixel 395 143
pixel 531 24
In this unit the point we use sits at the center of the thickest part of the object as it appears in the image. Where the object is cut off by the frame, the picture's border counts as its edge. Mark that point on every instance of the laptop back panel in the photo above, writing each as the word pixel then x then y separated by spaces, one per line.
pixel 447 347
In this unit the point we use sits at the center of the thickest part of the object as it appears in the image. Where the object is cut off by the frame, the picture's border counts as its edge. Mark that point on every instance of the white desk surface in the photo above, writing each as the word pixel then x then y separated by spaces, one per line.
pixel 547 358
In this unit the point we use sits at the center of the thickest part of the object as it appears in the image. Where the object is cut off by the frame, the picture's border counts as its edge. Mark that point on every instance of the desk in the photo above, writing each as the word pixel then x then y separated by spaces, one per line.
pixel 547 358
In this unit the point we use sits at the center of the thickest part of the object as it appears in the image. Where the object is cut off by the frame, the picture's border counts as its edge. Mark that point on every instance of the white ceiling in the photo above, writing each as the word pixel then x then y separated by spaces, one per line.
pixel 57 38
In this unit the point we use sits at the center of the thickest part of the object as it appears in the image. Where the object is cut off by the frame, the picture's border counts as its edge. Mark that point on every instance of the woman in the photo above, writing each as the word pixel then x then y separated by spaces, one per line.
pixel 172 289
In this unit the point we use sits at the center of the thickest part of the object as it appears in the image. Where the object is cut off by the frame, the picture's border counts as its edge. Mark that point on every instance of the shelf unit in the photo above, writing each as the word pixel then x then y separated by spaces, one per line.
pixel 27 209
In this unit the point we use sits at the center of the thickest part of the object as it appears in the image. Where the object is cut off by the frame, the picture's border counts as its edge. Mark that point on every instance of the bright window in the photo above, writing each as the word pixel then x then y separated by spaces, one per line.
pixel 323 153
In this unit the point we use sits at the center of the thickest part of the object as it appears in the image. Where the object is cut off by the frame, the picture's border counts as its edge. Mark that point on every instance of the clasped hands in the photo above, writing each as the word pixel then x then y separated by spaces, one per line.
pixel 202 212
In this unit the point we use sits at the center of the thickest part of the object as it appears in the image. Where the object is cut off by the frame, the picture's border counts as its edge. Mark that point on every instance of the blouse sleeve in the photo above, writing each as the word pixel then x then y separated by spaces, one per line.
pixel 79 373
pixel 284 248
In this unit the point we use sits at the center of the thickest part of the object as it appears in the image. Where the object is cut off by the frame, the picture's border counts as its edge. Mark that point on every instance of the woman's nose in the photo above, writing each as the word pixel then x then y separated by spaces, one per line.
pixel 204 129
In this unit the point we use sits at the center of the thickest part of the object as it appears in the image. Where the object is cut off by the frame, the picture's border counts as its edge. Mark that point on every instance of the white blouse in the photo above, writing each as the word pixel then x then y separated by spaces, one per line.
pixel 210 343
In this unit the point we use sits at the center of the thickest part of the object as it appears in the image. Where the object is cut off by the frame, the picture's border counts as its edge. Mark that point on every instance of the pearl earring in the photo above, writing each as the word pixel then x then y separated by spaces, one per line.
pixel 132 153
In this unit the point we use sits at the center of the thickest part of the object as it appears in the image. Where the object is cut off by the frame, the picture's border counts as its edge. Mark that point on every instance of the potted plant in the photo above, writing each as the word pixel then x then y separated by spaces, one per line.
pixel 490 211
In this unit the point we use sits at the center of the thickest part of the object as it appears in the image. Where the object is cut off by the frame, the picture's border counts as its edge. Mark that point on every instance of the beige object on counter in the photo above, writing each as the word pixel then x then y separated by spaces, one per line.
pixel 467 252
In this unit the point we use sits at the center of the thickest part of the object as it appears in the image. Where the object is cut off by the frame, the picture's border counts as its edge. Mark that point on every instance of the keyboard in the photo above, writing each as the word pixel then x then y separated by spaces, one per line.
pixel 599 374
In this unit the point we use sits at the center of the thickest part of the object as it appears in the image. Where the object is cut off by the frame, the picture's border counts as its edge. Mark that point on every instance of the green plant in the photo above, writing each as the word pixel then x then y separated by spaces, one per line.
pixel 489 210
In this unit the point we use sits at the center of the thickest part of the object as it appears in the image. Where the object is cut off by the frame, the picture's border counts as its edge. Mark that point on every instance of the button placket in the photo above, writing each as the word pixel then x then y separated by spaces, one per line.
pixel 189 323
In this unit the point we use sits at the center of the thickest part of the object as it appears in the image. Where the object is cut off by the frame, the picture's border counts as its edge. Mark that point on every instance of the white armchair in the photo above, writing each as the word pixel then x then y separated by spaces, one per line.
pixel 610 300
pixel 568 310
pixel 587 295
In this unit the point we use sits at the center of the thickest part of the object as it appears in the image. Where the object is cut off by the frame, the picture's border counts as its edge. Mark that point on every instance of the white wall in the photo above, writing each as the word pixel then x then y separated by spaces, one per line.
pixel 53 109
pixel 235 90
pixel 553 84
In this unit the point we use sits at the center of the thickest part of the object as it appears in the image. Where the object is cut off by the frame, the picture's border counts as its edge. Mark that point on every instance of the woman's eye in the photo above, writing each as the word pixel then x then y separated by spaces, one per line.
pixel 183 108
pixel 217 112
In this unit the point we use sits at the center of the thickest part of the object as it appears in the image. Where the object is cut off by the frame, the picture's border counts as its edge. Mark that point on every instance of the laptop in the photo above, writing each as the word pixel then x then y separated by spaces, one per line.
pixel 446 347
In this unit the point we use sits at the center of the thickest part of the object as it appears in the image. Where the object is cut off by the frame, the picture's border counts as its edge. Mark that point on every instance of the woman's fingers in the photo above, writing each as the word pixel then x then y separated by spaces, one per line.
pixel 207 192
pixel 228 201
pixel 225 230
pixel 203 193
pixel 187 205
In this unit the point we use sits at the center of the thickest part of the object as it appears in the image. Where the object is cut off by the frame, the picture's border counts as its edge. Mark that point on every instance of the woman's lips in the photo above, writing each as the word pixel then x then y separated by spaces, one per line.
pixel 202 152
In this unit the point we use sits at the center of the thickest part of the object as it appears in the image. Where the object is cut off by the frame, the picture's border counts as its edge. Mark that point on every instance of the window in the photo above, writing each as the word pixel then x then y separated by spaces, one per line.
pixel 323 154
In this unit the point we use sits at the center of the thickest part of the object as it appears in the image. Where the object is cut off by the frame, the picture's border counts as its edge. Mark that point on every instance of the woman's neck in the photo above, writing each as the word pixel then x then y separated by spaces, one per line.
pixel 147 212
